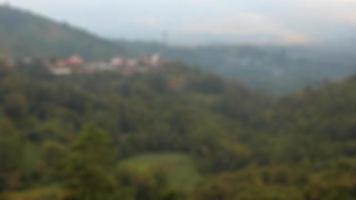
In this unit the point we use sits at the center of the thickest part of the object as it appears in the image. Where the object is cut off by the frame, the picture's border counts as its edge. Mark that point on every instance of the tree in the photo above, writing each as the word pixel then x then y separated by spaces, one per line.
pixel 16 105
pixel 145 185
pixel 53 155
pixel 11 154
pixel 90 166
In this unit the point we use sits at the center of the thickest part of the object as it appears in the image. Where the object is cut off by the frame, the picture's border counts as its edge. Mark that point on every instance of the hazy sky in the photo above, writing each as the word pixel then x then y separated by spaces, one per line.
pixel 207 21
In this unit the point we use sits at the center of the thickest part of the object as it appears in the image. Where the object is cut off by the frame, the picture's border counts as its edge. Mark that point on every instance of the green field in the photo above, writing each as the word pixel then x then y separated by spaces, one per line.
pixel 181 170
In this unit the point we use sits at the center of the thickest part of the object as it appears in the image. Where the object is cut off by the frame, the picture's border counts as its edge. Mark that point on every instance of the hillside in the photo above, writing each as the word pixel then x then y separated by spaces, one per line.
pixel 274 69
pixel 105 134
pixel 23 33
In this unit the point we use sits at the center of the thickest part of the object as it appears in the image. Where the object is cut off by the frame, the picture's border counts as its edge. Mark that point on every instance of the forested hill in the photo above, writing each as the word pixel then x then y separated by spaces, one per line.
pixel 172 134
pixel 23 33
pixel 279 70
pixel 275 69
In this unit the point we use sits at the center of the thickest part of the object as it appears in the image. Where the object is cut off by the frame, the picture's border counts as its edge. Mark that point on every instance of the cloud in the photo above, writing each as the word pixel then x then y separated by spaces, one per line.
pixel 295 21
pixel 148 22
pixel 245 24
pixel 327 11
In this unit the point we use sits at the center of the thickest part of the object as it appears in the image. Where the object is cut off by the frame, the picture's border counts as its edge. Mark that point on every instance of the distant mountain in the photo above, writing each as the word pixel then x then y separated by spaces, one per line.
pixel 23 33
pixel 276 69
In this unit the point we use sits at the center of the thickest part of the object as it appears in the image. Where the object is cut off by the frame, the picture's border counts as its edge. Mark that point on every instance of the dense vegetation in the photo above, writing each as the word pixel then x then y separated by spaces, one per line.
pixel 172 134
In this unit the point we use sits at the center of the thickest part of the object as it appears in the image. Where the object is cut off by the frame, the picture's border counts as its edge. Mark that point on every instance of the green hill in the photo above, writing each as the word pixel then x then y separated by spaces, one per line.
pixel 74 133
pixel 274 69
pixel 23 33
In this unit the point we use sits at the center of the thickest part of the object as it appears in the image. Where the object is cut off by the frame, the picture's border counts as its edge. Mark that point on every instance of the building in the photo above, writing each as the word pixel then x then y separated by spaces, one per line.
pixel 74 60
pixel 99 66
pixel 153 60
pixel 117 62
pixel 131 62
pixel 61 71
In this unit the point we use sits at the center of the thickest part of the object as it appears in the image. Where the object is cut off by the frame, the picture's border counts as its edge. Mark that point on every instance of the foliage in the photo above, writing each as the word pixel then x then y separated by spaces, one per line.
pixel 106 136
pixel 180 170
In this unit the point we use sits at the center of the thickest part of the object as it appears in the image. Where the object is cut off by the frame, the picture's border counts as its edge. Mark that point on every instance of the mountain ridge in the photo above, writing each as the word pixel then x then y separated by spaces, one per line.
pixel 24 33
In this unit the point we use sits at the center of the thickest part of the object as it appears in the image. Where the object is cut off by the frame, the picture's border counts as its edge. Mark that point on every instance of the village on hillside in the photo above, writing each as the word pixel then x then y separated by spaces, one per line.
pixel 76 64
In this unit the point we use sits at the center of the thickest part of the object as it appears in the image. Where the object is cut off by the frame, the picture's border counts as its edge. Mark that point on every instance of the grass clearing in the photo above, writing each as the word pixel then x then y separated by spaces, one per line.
pixel 181 170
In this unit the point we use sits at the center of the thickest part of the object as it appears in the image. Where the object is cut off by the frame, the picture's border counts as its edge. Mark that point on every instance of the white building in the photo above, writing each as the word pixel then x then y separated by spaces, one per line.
pixel 61 71
pixel 117 62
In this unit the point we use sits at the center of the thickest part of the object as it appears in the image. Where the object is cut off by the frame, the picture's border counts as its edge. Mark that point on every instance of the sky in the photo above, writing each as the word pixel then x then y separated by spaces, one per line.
pixel 206 21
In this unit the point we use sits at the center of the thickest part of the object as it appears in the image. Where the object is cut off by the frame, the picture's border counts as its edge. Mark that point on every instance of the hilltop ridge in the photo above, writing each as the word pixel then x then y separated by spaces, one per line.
pixel 23 33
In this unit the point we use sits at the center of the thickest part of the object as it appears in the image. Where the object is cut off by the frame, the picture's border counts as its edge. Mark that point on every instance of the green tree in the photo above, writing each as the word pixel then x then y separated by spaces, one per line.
pixel 16 105
pixel 146 185
pixel 90 166
pixel 11 155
